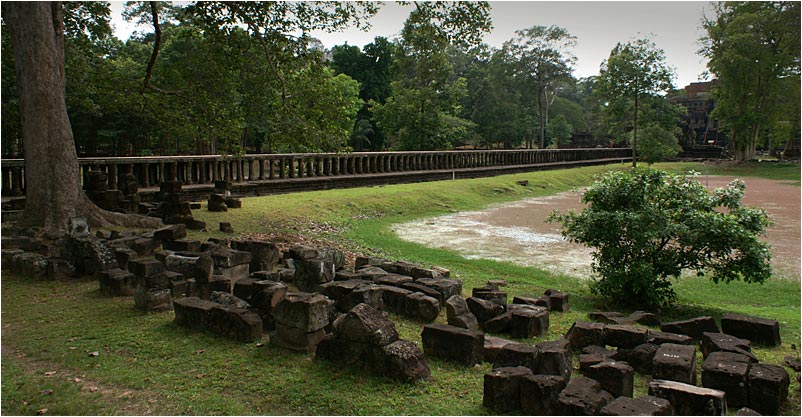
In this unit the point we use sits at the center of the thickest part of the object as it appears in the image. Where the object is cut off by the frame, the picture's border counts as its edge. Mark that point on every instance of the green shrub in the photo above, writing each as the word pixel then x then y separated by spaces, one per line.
pixel 647 226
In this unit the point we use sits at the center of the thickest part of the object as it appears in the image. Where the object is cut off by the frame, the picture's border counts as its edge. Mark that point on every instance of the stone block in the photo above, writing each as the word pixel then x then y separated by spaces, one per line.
pixel 768 388
pixel 586 360
pixel 658 338
pixel 516 354
pixel 192 312
pixel 303 253
pixel 720 342
pixel 641 406
pixel 404 361
pixel 146 246
pixel 502 389
pixel 263 254
pixel 171 232
pixel 555 358
pixel 369 294
pixel 458 314
pixel 624 336
pixel 746 411
pixel 493 345
pixel 447 288
pixel 689 400
pixel 582 397
pixel 304 311
pixel 532 301
pixel 675 363
pixel 227 299
pixel 220 283
pixel 179 288
pixel 583 333
pixel 694 327
pixel 339 289
pixel 144 268
pixel 758 330
pixel 362 261
pixel 640 357
pixel 296 339
pixel 421 307
pixel 529 321
pixel 558 300
pixel 644 318
pixel 610 317
pixel 332 255
pixel 453 343
pixel 116 282
pixel 498 324
pixel 234 273
pixel 372 273
pixel 217 203
pixel 170 187
pixel 415 287
pixel 233 202
pixel 490 294
pixel 182 245
pixel 244 288
pixel 235 323
pixel 392 279
pixel 484 310
pixel 224 257
pixel 366 325
pixel 311 274
pixel 394 298
pixel 617 378
pixel 718 372
pixel 152 299
pixel 540 393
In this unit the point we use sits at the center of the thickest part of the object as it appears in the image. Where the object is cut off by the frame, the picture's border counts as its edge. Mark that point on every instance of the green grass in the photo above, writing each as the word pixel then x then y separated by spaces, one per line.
pixel 52 325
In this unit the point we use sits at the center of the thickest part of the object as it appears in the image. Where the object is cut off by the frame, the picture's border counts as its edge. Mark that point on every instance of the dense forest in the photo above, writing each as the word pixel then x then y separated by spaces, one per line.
pixel 202 82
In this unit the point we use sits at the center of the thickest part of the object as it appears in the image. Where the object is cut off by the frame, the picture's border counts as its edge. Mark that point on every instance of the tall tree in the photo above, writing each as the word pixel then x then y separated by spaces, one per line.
pixel 53 187
pixel 634 69
pixel 753 48
pixel 543 55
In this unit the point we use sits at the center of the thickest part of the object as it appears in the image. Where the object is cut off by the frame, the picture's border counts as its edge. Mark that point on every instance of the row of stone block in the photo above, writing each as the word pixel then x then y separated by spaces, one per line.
pixel 756 329
pixel 232 322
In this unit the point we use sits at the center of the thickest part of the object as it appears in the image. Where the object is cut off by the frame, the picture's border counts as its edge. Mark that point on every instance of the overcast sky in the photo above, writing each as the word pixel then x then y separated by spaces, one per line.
pixel 597 25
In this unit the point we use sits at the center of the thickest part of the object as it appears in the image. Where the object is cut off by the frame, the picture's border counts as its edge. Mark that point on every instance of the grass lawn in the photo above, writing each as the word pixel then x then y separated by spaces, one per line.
pixel 147 365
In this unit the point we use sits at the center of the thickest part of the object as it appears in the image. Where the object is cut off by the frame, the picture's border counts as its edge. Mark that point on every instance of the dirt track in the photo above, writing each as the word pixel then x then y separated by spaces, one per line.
pixel 517 232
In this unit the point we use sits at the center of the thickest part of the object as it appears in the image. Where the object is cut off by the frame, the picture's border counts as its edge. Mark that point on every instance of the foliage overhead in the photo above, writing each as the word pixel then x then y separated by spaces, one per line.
pixel 647 226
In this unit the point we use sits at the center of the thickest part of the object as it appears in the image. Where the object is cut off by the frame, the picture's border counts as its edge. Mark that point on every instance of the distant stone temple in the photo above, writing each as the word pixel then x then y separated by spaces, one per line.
pixel 698 128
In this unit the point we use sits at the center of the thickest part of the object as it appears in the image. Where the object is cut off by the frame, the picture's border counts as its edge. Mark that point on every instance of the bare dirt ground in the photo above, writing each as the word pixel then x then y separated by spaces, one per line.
pixel 517 232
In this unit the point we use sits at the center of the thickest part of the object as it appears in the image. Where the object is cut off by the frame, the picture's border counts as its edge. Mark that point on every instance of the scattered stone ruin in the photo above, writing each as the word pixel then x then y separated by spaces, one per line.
pixel 307 299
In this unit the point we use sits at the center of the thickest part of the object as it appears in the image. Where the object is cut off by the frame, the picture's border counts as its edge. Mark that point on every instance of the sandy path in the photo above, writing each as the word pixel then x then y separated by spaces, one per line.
pixel 517 232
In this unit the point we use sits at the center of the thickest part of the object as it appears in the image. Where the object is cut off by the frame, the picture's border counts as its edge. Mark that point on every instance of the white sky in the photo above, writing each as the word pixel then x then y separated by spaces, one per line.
pixel 598 26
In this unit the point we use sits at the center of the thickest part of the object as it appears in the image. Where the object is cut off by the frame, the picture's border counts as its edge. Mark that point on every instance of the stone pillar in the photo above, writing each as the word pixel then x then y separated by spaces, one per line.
pixel 16 181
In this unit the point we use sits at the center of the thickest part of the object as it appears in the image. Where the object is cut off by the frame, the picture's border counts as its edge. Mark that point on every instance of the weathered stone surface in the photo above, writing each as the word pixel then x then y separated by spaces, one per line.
pixel 144 268
pixel 582 397
pixel 582 334
pixel 758 330
pixel 404 361
pixel 532 301
pixel 617 378
pixel 296 339
pixel 152 299
pixel 227 299
pixel 372 273
pixel 540 393
pixel 178 287
pixel 394 298
pixel 171 232
pixel 502 388
pixel 89 254
pixel 310 274
pixel 364 324
pixel 694 327
pixel 116 282
pixel 233 202
pixel 447 288
pixel 303 253
pixel 146 246
pixel 458 314
pixel 531 321
pixel 768 388
pixel 516 354
pixel 610 317
pixel 392 279
pixel 362 261
pixel 731 376
pixel 746 411
pixel 555 358
pixel 675 363
pixel 369 294
pixel 494 345
pixel 267 296
pixel 586 360
pixel 793 362
pixel 415 287
pixel 498 324
pixel 645 318
pixel 25 243
pixel 339 289
pixel 640 357
pixel 421 307
pixel 244 288
pixel 490 294
pixel 658 338
pixel 720 342
pixel 641 406
pixel 624 336
pixel 30 264
pixel 182 245
pixel 224 257
pixel 484 310
pixel 453 343
pixel 557 299
pixel 304 311
pixel 689 400
pixel 192 312
pixel 216 202
pixel 234 273
pixel 332 255
pixel 235 323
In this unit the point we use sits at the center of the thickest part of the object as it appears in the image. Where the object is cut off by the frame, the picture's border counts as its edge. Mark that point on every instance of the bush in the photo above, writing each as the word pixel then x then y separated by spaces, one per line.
pixel 656 144
pixel 647 226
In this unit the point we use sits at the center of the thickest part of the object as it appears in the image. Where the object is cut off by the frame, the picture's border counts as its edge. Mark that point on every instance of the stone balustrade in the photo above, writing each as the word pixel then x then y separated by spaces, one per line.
pixel 205 169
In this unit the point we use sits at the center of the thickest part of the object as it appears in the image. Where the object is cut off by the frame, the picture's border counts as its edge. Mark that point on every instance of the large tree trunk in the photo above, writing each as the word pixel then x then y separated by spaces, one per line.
pixel 53 188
